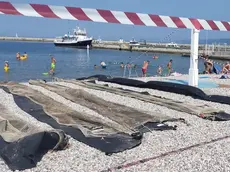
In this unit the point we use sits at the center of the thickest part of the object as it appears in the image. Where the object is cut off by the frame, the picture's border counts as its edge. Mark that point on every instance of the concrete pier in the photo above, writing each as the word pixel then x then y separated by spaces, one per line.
pixel 26 39
pixel 218 52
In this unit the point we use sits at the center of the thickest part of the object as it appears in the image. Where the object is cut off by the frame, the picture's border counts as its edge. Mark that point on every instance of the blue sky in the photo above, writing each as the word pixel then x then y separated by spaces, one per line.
pixel 40 27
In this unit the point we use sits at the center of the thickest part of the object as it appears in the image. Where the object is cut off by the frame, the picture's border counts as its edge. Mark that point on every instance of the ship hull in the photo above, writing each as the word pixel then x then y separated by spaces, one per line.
pixel 80 44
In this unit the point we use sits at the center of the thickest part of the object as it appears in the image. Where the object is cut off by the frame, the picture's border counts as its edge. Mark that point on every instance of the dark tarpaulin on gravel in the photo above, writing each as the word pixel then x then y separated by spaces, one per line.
pixel 168 87
pixel 113 143
pixel 126 116
pixel 26 152
pixel 202 111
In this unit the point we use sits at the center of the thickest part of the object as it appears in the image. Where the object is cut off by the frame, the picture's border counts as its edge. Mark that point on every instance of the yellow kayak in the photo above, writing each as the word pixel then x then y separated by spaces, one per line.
pixel 6 69
pixel 23 57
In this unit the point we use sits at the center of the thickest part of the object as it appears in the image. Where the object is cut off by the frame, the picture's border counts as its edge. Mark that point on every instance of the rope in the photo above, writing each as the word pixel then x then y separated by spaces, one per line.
pixel 138 162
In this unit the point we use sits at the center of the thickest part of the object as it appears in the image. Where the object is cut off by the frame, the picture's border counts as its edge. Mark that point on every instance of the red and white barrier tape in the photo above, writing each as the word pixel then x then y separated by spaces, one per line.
pixel 109 16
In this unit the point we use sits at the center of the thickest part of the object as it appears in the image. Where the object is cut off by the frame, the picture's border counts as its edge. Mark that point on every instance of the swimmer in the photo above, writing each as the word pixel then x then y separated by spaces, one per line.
pixel 122 65
pixel 6 66
pixel 25 54
pixel 169 66
pixel 18 56
pixel 95 66
pixel 144 68
pixel 53 64
pixel 103 65
pixel 155 57
pixel 128 65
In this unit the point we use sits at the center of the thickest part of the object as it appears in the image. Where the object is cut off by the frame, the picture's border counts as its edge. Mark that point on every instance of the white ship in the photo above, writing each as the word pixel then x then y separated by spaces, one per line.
pixel 78 39
pixel 133 42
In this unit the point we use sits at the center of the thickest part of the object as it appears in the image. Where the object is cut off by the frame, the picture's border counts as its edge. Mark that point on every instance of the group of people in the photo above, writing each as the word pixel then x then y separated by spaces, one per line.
pixel 52 67
pixel 128 65
pixel 209 67
pixel 144 67
pixel 159 70
pixel 23 57
pixel 18 57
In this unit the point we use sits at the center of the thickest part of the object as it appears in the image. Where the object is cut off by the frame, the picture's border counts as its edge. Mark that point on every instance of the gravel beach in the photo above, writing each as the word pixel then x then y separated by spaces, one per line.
pixel 202 146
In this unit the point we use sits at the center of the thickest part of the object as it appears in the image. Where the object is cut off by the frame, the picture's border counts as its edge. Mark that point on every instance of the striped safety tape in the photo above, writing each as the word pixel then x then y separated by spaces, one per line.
pixel 109 16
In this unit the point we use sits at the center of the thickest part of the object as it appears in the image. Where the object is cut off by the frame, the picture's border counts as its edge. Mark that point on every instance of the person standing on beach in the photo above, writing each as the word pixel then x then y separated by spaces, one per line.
pixel 208 66
pixel 226 68
pixel 53 64
pixel 169 66
pixel 144 68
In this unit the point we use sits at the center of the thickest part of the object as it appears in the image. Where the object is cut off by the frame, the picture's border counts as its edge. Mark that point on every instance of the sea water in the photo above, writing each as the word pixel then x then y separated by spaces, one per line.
pixel 74 63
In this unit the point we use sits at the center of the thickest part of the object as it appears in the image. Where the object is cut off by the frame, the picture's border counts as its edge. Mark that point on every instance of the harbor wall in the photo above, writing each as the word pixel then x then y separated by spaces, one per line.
pixel 26 39
pixel 220 52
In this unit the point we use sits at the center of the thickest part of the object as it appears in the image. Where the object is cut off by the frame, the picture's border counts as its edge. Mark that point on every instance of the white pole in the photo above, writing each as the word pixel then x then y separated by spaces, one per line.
pixel 87 50
pixel 193 71
pixel 206 43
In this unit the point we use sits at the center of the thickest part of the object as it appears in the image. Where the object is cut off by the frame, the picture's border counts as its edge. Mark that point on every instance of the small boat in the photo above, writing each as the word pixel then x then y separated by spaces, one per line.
pixel 133 42
pixel 185 55
pixel 78 39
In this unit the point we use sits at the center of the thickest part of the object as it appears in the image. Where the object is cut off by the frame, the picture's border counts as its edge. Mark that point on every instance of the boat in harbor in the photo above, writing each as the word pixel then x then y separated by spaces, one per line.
pixel 78 39
pixel 133 42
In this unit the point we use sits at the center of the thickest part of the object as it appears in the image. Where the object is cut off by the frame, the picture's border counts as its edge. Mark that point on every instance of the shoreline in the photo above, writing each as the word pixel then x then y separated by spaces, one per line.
pixel 184 49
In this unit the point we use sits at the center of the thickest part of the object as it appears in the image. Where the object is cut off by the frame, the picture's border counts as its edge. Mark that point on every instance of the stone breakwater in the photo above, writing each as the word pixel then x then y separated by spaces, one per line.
pixel 26 39
pixel 182 49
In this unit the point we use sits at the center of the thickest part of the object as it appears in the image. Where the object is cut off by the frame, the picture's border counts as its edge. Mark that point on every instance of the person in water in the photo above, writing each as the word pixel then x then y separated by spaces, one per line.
pixel 25 54
pixel 53 64
pixel 122 65
pixel 103 65
pixel 169 66
pixel 6 66
pixel 144 68
pixel 155 57
pixel 18 56
pixel 95 66
pixel 128 65
pixel 159 71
